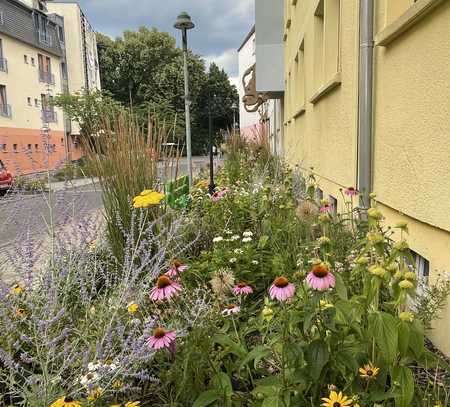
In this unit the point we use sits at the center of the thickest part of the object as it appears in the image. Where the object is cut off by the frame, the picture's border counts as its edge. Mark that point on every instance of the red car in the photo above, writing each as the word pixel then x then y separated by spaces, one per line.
pixel 5 179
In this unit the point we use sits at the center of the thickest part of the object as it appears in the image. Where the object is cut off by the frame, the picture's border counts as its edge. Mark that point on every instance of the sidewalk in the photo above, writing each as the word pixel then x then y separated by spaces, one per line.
pixel 71 184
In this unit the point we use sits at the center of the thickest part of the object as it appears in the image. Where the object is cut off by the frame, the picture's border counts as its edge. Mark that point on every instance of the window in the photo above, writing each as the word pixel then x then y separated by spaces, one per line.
pixel 3 146
pixel 15 148
pixel 29 148
pixel 333 203
pixel 64 71
pixel 422 268
pixel 25 59
pixel 3 61
pixel 60 34
pixel 36 147
pixel 2 15
pixel 5 109
pixel 326 41
pixel 301 75
pixel 29 101
pixel 33 61
pixel 62 141
pixel 45 69
pixel 36 102
pixel 319 194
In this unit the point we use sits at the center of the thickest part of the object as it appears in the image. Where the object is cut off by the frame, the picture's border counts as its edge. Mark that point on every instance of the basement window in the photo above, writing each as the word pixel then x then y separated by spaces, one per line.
pixel 333 203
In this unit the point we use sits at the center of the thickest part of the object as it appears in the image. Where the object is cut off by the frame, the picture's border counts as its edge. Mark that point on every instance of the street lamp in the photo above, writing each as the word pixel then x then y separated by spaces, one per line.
pixel 212 186
pixel 184 23
pixel 234 107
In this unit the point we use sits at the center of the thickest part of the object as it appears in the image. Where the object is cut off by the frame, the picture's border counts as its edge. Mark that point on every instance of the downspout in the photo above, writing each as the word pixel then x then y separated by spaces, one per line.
pixel 365 102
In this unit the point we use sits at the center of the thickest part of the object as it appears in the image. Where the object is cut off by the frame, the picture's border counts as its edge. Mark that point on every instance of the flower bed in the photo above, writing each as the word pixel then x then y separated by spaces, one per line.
pixel 256 296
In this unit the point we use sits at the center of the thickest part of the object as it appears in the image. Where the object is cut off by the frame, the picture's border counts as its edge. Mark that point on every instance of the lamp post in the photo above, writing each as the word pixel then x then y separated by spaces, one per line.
pixel 212 186
pixel 234 107
pixel 184 23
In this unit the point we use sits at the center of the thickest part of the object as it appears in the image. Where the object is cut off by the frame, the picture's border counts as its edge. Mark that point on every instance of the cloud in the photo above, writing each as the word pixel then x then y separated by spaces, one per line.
pixel 220 25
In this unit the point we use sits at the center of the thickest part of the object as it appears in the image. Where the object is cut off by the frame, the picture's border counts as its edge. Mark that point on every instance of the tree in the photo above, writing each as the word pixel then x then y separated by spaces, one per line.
pixel 144 69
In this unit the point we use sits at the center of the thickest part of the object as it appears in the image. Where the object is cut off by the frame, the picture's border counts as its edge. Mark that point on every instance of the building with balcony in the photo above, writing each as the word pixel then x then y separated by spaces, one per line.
pixel 30 63
pixel 45 50
pixel 366 105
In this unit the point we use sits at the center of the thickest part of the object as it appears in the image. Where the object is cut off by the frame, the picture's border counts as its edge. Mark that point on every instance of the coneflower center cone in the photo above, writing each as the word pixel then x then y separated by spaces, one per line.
pixel 163 282
pixel 68 399
pixel 230 306
pixel 320 270
pixel 159 333
pixel 176 263
pixel 281 282
pixel 242 284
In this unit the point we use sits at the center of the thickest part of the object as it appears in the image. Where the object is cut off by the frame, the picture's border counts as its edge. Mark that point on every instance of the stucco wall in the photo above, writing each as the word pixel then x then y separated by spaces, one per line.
pixel 324 136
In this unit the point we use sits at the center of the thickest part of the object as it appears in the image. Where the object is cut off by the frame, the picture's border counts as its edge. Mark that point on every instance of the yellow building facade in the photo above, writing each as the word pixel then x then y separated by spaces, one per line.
pixel 410 142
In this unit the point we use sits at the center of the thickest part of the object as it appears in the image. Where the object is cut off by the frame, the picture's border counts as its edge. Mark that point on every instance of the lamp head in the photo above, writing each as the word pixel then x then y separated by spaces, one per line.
pixel 184 22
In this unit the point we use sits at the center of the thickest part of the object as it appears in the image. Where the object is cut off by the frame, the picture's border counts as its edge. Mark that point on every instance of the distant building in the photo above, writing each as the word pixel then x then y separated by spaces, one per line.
pixel 267 116
pixel 38 60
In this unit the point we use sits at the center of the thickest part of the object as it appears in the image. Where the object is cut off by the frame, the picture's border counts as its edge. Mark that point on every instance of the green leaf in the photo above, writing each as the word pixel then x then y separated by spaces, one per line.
pixel 207 398
pixel 317 356
pixel 403 338
pixel 403 376
pixel 256 354
pixel 263 240
pixel 383 327
pixel 340 287
pixel 226 342
pixel 416 339
pixel 222 381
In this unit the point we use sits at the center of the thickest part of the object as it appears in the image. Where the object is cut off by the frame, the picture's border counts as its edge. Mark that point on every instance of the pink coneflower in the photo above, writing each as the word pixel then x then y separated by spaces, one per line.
pixel 320 277
pixel 326 208
pixel 162 339
pixel 281 289
pixel 242 289
pixel 175 268
pixel 218 195
pixel 165 288
pixel 231 309
pixel 350 191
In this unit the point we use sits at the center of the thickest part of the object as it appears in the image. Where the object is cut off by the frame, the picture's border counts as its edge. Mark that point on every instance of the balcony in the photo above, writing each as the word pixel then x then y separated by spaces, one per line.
pixel 45 38
pixel 5 111
pixel 46 77
pixel 3 65
pixel 49 116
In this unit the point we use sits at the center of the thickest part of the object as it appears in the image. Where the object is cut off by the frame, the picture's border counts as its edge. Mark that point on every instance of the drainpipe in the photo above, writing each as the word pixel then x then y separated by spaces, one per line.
pixel 365 95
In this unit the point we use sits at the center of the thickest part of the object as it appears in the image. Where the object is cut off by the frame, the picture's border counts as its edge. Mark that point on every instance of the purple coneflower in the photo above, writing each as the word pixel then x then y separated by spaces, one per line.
pixel 320 277
pixel 231 309
pixel 326 208
pixel 281 289
pixel 162 339
pixel 350 191
pixel 218 195
pixel 242 288
pixel 175 268
pixel 165 288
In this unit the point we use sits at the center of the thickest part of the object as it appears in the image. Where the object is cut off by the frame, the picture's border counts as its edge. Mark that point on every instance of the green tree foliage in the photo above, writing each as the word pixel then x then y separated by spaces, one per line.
pixel 144 69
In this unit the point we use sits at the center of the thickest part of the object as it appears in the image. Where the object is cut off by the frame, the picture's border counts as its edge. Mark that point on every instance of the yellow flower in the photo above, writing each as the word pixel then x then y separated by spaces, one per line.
pixel 115 405
pixel 202 184
pixel 267 313
pixel 148 198
pixel 406 316
pixel 410 275
pixel 325 304
pixel 377 271
pixel 133 404
pixel 369 371
pixel 95 394
pixel 362 261
pixel 374 213
pixel 17 289
pixel 336 400
pixel 66 402
pixel 117 384
pixel 20 313
pixel 132 307
pixel 405 284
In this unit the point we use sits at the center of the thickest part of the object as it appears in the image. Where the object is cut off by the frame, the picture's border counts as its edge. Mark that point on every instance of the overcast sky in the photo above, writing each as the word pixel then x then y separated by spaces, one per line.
pixel 221 25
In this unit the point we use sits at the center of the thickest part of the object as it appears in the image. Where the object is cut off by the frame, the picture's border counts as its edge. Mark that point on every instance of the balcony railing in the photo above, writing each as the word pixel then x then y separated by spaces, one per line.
pixel 5 110
pixel 46 77
pixel 3 65
pixel 45 38
pixel 49 116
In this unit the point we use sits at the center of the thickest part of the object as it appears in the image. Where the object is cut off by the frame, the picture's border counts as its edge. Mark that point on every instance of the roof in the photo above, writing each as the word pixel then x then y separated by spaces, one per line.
pixel 248 36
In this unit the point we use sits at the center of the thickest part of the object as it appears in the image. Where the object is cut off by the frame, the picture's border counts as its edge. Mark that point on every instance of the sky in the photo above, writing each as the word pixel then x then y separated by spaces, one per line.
pixel 221 25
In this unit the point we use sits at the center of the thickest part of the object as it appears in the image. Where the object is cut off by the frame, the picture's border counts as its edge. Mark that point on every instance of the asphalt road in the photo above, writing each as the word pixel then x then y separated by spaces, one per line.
pixel 20 214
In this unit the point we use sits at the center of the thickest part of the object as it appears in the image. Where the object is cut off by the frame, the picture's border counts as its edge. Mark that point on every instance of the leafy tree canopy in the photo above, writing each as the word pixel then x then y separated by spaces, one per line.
pixel 144 69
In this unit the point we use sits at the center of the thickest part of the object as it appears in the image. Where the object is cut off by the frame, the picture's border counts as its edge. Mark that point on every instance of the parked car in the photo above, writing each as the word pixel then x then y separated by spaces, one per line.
pixel 5 179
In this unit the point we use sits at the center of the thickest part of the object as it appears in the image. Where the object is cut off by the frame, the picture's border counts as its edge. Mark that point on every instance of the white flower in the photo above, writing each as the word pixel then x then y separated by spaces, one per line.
pixel 247 239
pixel 231 309
pixel 255 262
pixel 228 232
pixel 233 260
pixel 89 378
pixel 235 237
pixel 238 251
pixel 217 239
pixel 247 234
pixel 92 367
